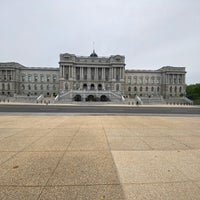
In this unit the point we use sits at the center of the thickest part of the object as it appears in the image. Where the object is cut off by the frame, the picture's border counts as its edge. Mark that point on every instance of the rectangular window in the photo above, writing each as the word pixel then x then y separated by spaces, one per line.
pixel 23 78
pixel 54 78
pixel 48 78
pixel 29 78
pixel 41 78
pixel 35 78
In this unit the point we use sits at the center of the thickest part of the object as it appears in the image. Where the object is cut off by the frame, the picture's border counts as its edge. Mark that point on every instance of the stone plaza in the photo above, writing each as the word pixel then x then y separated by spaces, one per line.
pixel 99 157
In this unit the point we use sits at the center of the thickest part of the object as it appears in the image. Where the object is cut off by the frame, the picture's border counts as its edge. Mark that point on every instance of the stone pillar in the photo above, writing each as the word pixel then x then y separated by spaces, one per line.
pixel 103 73
pixel 81 73
pixel 89 73
pixel 63 74
pixel 96 74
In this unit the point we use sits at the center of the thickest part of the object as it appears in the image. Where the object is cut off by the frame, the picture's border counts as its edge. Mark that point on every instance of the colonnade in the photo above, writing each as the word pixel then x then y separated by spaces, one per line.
pixel 100 73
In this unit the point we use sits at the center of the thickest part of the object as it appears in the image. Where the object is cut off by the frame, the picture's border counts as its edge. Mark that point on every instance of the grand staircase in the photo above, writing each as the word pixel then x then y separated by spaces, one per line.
pixel 69 96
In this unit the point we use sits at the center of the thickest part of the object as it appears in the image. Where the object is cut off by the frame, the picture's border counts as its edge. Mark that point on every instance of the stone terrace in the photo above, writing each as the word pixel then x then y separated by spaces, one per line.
pixel 99 158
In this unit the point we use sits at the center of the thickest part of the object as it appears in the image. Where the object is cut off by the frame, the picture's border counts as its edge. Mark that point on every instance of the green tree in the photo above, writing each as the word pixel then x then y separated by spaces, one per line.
pixel 193 92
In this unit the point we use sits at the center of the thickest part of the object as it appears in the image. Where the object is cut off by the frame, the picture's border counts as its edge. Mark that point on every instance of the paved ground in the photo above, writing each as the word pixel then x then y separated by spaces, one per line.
pixel 98 109
pixel 99 157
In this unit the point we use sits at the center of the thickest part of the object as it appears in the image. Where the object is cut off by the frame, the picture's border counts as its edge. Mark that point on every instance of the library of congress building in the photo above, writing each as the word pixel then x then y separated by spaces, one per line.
pixel 91 78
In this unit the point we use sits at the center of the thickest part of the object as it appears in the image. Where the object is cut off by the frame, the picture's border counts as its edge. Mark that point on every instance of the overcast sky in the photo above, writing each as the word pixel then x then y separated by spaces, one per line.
pixel 149 33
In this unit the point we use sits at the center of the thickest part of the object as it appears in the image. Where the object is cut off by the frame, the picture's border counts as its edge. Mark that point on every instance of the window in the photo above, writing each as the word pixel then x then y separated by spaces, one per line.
pixel 29 78
pixel 29 87
pixel 129 79
pixel 129 89
pixel 48 78
pixel 135 89
pixel 35 87
pixel 170 89
pixel 41 78
pixel 117 87
pixel 35 78
pixel 146 89
pixel 23 78
pixel 47 87
pixel 140 89
pixel 54 78
pixel 54 87
pixel 135 79
pixel 152 89
pixel 41 87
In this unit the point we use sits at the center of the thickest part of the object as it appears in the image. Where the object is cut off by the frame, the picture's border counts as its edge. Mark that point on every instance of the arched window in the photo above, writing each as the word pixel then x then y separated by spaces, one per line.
pixel 146 89
pixel 92 87
pixel 85 86
pixel 170 89
pixel 175 89
pixel 152 89
pixel 29 87
pixel 180 89
pixel 129 89
pixel 135 89
pixel 100 87
pixel 158 89
pixel 140 89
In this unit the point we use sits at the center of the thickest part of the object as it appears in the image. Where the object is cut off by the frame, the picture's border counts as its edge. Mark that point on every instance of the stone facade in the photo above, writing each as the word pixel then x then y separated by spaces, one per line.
pixel 167 82
pixel 20 80
pixel 91 74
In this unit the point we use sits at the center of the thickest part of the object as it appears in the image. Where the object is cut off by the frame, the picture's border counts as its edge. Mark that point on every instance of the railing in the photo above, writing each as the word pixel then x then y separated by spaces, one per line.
pixel 68 95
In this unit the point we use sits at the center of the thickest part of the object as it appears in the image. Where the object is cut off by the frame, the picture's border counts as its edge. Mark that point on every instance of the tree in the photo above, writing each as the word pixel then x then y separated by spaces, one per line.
pixel 193 92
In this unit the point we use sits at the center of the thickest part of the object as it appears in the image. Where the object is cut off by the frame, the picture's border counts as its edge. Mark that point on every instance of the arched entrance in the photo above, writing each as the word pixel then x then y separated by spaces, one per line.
pixel 66 86
pixel 77 97
pixel 104 98
pixel 85 86
pixel 92 87
pixel 99 87
pixel 91 98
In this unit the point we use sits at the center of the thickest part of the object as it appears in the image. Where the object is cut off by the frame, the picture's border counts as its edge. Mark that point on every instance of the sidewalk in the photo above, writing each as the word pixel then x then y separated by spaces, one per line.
pixel 99 158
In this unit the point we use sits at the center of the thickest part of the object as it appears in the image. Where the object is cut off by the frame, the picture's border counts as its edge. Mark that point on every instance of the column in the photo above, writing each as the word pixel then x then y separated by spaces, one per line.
pixel 89 73
pixel 81 73
pixel 96 74
pixel 103 73
pixel 112 73
pixel 63 71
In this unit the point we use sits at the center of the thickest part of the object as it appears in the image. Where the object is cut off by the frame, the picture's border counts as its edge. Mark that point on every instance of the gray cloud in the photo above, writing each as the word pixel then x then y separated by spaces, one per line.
pixel 150 33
